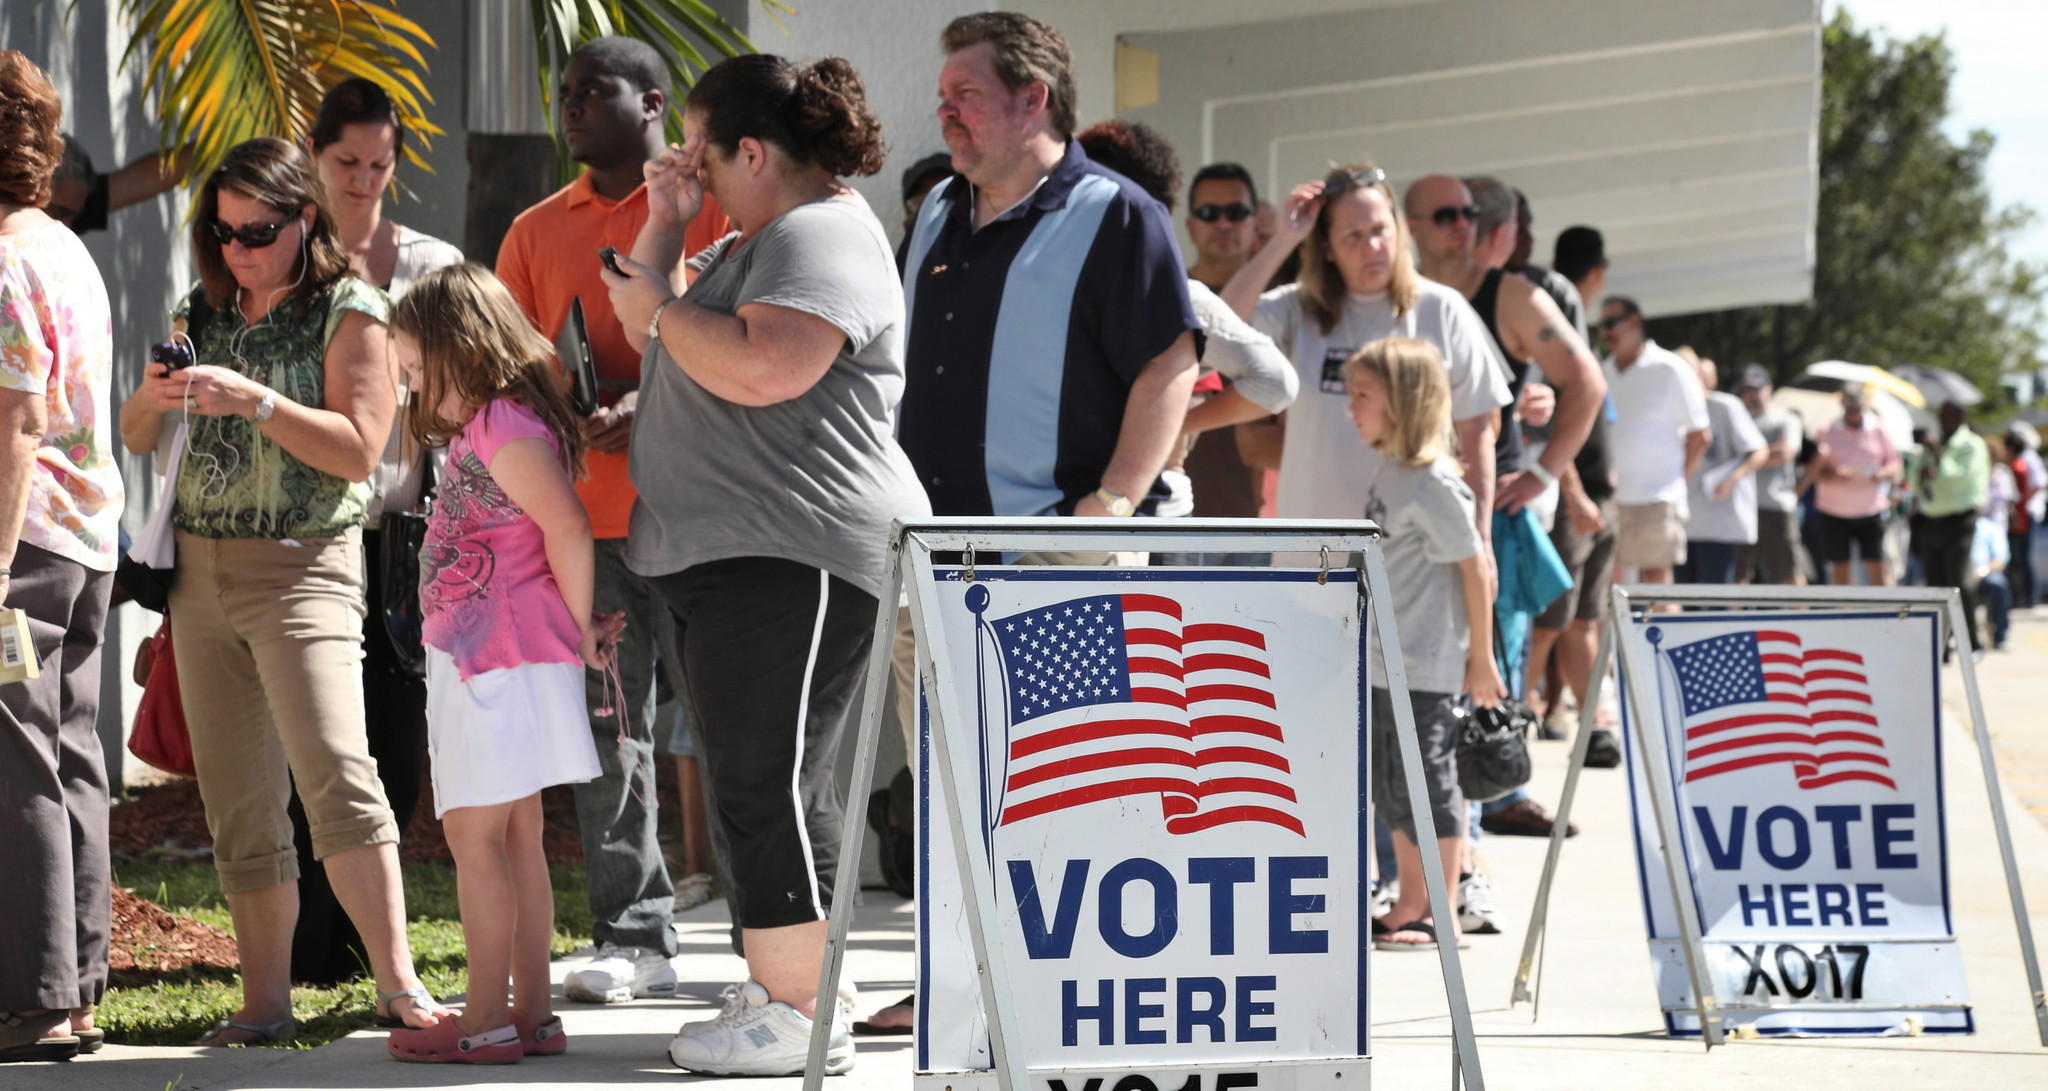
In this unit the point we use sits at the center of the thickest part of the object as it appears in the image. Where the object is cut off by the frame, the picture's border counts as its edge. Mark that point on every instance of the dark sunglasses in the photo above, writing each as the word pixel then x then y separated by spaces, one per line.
pixel 1607 325
pixel 1235 212
pixel 252 236
pixel 1449 214
pixel 1343 181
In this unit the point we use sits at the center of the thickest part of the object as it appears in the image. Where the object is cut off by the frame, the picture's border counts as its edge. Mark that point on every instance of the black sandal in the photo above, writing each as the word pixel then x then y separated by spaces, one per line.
pixel 1385 941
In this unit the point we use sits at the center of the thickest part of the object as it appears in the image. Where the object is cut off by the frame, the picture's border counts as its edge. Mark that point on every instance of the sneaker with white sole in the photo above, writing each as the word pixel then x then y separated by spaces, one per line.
pixel 619 974
pixel 756 1036
pixel 1476 914
pixel 733 999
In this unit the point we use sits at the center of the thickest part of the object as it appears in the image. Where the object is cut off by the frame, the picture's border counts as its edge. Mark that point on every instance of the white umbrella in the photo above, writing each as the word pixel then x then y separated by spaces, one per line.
pixel 1834 374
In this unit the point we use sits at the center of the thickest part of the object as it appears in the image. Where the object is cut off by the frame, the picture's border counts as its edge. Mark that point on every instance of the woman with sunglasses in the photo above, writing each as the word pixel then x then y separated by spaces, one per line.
pixel 1358 284
pixel 289 404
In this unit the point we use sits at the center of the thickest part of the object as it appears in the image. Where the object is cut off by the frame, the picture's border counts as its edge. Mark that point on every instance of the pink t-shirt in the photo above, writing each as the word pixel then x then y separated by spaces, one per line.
pixel 488 596
pixel 1863 452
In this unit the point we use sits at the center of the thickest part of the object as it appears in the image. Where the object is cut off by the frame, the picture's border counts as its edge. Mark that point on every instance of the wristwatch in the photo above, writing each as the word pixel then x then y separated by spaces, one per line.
pixel 265 408
pixel 1119 506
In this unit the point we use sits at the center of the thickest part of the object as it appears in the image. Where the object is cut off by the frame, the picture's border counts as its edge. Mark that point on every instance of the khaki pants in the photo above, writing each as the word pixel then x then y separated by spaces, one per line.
pixel 269 644
pixel 903 650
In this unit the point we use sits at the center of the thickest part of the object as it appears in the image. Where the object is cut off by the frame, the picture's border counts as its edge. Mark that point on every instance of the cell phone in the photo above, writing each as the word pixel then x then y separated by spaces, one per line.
pixel 173 354
pixel 610 257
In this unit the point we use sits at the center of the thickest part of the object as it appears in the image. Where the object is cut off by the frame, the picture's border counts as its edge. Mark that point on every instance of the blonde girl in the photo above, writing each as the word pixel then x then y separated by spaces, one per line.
pixel 1400 402
pixel 505 589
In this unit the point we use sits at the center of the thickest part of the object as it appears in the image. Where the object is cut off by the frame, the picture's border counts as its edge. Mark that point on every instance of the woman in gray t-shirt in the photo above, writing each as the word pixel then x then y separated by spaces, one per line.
pixel 768 477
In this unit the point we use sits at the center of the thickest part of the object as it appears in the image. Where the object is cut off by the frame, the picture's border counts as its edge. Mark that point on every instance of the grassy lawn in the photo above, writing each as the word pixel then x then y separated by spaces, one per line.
pixel 174 1008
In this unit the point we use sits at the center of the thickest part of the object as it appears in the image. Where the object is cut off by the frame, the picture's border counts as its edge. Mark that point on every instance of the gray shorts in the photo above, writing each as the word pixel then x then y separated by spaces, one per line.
pixel 1437 729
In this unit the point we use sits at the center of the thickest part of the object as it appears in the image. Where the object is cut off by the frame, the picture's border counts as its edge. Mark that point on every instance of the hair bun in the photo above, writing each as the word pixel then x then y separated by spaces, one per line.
pixel 832 107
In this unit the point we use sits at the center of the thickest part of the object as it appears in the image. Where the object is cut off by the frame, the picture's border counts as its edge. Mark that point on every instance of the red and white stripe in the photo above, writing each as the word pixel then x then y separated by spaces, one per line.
pixel 1817 717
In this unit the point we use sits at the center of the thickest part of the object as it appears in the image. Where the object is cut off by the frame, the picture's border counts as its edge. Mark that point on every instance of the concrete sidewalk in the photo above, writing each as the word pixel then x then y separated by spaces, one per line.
pixel 1599 1025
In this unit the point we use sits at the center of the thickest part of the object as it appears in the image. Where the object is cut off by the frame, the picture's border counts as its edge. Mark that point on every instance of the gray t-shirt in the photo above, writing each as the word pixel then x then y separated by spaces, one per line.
pixel 1776 486
pixel 1426 512
pixel 1732 437
pixel 816 479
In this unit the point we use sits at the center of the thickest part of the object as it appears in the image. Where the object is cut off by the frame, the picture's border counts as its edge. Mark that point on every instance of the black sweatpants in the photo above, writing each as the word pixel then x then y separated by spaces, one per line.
pixel 773 653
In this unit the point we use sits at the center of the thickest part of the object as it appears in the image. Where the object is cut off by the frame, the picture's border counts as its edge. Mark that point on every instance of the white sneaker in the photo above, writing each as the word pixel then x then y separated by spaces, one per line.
pixel 619 974
pixel 1384 897
pixel 1475 906
pixel 756 1036
pixel 735 999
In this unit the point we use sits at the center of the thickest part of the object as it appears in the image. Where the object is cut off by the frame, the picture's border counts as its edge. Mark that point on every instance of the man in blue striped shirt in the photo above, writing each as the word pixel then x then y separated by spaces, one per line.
pixel 1052 347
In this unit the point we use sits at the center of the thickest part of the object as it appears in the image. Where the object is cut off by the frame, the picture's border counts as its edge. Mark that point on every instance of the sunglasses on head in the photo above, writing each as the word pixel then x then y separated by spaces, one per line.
pixel 252 236
pixel 1235 212
pixel 1450 214
pixel 1342 181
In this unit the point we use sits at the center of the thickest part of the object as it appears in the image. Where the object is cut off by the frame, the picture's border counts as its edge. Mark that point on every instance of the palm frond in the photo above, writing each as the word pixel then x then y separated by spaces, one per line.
pixel 225 71
pixel 675 28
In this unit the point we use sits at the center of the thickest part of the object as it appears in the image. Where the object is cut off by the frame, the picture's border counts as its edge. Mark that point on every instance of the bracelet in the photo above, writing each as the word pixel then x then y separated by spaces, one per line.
pixel 1537 471
pixel 654 324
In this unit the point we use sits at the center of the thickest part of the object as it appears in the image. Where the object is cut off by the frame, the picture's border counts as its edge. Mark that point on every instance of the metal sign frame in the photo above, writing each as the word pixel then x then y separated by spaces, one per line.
pixel 911 546
pixel 1632 601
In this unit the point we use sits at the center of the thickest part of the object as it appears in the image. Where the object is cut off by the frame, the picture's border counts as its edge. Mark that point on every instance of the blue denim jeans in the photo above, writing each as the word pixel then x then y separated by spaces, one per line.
pixel 1997 596
pixel 632 899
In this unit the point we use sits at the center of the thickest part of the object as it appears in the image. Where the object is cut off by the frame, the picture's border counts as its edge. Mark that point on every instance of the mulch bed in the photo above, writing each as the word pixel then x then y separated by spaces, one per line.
pixel 169 818
pixel 145 938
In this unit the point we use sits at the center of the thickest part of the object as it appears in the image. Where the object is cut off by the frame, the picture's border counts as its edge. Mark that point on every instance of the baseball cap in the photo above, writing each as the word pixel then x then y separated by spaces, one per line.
pixel 935 163
pixel 1754 375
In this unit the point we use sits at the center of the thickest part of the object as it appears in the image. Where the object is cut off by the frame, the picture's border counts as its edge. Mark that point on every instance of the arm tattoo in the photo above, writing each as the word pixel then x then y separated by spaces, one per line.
pixel 1547 333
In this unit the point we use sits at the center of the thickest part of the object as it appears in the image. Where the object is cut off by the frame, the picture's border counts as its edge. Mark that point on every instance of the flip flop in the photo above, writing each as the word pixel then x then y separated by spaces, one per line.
pixel 1386 941
pixel 381 1015
pixel 21 1038
pixel 865 1026
pixel 265 1034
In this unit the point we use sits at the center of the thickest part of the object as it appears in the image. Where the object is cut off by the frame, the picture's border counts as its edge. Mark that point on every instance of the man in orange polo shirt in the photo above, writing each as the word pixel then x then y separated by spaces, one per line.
pixel 613 98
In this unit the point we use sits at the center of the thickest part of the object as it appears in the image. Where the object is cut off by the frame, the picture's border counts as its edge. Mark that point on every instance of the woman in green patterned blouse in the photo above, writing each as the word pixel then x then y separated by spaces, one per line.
pixel 289 405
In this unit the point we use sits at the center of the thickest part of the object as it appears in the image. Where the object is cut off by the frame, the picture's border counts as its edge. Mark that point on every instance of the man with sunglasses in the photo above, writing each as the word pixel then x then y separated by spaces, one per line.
pixel 1222 222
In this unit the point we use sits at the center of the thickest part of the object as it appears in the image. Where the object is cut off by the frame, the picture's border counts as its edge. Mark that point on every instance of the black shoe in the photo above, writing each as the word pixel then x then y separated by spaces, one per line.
pixel 1603 750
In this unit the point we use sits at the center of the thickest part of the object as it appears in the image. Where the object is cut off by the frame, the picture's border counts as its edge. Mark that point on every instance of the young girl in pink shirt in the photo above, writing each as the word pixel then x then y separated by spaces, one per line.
pixel 505 589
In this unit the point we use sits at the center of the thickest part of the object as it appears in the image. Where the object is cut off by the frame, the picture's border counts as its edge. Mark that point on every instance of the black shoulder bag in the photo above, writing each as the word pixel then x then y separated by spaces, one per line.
pixel 403 534
pixel 1493 745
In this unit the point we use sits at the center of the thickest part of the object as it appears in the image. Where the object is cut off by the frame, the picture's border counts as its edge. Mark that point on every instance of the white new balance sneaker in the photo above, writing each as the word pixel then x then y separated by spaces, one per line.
pixel 756 1036
pixel 619 974
pixel 735 999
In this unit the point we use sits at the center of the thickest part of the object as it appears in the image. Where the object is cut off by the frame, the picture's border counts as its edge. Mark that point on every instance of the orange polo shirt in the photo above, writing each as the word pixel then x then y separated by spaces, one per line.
pixel 549 258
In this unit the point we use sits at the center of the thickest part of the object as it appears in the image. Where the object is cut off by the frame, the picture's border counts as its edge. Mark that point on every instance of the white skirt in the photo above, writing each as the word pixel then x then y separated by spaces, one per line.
pixel 505 734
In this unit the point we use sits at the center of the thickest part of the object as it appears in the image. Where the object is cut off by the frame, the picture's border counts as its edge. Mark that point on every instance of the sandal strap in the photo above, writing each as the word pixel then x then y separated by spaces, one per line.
pixel 418 994
pixel 264 1032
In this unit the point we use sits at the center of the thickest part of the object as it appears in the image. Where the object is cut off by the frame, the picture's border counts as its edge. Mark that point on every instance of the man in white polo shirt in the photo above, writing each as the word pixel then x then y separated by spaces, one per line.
pixel 1660 431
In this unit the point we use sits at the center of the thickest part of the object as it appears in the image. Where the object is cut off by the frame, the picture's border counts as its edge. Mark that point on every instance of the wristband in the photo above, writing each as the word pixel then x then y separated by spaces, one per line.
pixel 1537 471
pixel 654 324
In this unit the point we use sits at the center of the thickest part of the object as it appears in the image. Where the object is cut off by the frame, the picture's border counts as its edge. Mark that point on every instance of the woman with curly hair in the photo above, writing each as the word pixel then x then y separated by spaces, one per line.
pixel 60 512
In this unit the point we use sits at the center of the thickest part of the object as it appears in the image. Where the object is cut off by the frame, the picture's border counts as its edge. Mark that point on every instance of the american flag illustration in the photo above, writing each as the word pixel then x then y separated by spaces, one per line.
pixel 1762 698
pixel 1114 696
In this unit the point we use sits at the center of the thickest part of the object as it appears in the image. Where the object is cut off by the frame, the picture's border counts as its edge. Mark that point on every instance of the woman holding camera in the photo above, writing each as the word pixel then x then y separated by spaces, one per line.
pixel 290 403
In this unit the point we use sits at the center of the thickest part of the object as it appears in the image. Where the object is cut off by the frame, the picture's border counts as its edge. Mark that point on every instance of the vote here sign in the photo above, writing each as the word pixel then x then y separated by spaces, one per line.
pixel 1804 758
pixel 1168 768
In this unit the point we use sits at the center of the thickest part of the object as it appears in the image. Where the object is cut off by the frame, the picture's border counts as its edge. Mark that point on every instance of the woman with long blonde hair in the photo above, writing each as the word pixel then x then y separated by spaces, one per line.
pixel 1358 284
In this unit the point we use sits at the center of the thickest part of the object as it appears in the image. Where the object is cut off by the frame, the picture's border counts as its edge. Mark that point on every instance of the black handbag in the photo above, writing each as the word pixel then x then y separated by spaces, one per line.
pixel 1493 747
pixel 403 533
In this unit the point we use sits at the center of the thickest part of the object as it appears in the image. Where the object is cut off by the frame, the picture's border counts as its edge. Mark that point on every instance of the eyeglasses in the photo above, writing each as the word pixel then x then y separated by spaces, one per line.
pixel 1449 214
pixel 1342 181
pixel 252 236
pixel 1235 212
pixel 1607 325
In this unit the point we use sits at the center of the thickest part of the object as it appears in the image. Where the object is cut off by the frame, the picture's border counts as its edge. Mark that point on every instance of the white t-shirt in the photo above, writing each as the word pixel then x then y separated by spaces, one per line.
pixel 1657 401
pixel 1325 469
pixel 1735 437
